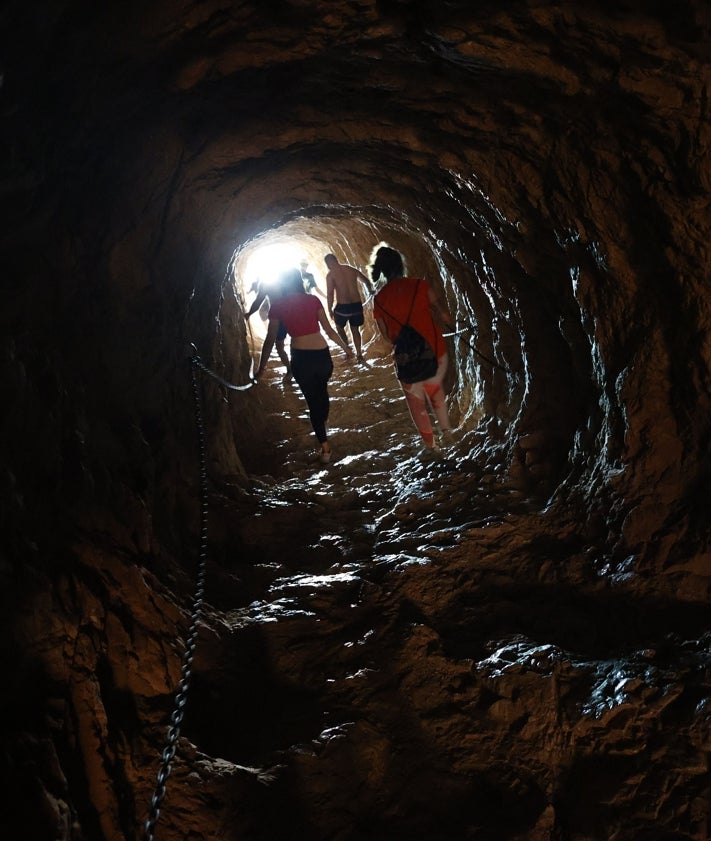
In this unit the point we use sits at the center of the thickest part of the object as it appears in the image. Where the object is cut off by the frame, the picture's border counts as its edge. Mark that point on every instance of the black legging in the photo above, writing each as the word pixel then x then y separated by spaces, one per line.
pixel 312 370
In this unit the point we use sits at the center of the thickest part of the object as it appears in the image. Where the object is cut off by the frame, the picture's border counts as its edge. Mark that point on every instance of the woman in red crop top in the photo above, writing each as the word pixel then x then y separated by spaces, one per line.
pixel 412 300
pixel 303 316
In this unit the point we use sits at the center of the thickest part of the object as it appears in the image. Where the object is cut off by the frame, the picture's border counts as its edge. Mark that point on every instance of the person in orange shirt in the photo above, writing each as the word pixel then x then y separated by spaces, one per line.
pixel 410 300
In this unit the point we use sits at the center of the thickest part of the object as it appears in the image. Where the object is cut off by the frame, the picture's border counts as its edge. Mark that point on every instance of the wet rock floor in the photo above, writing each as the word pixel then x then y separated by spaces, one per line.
pixel 422 651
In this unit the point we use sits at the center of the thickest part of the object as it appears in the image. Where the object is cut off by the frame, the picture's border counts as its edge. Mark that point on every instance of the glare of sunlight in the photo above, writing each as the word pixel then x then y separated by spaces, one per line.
pixel 261 260
pixel 268 261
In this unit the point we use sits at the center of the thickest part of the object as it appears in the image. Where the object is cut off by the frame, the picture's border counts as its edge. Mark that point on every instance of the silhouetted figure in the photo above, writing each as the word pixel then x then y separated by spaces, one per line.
pixel 270 291
pixel 308 278
pixel 303 316
pixel 342 287
pixel 413 301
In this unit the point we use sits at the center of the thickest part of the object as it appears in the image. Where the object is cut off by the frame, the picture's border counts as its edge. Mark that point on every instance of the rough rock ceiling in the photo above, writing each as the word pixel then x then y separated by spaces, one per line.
pixel 520 649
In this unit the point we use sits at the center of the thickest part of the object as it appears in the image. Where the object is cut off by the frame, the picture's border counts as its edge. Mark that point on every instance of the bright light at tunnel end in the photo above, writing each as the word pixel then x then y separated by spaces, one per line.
pixel 268 261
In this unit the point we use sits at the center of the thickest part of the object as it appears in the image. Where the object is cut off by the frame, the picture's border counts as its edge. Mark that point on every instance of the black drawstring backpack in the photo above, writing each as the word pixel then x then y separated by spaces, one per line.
pixel 415 360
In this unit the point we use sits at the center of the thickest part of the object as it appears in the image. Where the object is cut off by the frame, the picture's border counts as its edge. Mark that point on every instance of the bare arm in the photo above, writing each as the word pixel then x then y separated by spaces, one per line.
pixel 319 291
pixel 331 333
pixel 439 310
pixel 267 346
pixel 383 329
pixel 365 280
pixel 256 303
pixel 330 290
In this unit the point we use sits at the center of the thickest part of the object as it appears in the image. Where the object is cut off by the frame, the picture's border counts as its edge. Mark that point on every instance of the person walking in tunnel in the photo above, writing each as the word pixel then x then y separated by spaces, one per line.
pixel 342 287
pixel 270 291
pixel 303 317
pixel 408 309
pixel 310 284
pixel 308 278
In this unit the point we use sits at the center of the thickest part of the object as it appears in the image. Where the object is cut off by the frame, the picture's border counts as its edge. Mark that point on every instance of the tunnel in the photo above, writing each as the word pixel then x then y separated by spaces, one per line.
pixel 209 634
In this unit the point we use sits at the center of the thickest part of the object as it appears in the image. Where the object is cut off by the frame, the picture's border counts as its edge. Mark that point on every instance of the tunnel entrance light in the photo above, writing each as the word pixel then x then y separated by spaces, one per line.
pixel 262 260
pixel 267 262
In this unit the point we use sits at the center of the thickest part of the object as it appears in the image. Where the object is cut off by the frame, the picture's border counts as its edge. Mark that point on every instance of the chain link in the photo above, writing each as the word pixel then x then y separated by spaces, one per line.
pixel 458 335
pixel 197 361
pixel 181 696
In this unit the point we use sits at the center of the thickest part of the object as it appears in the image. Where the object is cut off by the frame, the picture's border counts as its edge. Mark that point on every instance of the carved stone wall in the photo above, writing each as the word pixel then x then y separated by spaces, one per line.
pixel 513 648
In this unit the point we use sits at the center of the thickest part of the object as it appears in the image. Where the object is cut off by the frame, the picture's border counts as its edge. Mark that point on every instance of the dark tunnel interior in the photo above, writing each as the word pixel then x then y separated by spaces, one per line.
pixel 509 643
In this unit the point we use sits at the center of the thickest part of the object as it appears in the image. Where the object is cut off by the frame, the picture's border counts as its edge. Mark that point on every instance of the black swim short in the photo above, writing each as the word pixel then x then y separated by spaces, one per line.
pixel 345 313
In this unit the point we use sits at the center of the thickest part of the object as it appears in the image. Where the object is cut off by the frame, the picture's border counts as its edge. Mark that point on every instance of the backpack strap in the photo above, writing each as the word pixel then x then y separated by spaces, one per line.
pixel 412 304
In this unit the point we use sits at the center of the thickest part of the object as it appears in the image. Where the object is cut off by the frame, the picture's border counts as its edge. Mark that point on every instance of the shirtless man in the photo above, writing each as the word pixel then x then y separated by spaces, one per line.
pixel 342 281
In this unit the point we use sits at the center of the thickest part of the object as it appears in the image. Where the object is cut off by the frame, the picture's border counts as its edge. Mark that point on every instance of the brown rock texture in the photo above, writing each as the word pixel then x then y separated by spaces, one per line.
pixel 511 643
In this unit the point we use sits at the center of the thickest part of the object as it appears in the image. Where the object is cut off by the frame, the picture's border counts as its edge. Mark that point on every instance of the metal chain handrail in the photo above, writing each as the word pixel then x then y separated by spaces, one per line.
pixel 181 696
pixel 458 334
pixel 197 361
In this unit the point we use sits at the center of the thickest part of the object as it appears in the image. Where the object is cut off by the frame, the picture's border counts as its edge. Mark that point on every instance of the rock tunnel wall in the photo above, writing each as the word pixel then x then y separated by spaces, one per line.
pixel 548 164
